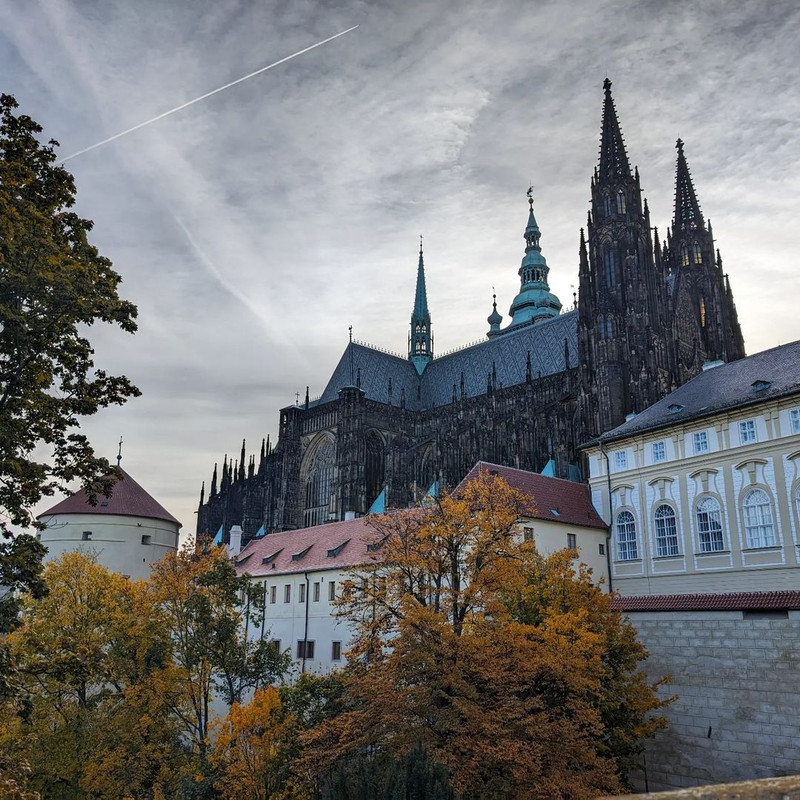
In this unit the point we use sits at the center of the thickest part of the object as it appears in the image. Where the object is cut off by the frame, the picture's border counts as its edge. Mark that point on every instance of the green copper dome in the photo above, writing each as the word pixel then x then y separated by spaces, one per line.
pixel 535 301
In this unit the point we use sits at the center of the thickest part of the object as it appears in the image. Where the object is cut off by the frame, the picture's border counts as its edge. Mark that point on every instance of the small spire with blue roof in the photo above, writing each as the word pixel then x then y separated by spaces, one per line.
pixel 420 350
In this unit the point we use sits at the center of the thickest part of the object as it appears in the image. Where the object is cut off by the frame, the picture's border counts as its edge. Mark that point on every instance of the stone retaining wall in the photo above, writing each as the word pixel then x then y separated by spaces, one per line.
pixel 737 677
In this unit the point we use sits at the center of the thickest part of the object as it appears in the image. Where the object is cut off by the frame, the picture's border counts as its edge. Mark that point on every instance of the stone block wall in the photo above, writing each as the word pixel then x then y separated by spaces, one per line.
pixel 737 678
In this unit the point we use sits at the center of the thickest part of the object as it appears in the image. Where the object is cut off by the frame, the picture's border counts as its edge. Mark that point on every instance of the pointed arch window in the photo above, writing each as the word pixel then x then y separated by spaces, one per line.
pixel 607 204
pixel 318 472
pixel 758 525
pixel 626 537
pixel 610 263
pixel 698 255
pixel 709 526
pixel 375 465
pixel 702 312
pixel 684 255
pixel 666 531
pixel 620 202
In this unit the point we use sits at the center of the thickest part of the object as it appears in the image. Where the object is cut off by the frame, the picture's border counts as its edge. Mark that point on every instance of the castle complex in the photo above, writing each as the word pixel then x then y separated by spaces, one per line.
pixel 386 428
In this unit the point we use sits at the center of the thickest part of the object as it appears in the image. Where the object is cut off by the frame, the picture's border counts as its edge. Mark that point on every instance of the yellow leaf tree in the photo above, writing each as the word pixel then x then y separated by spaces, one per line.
pixel 255 749
pixel 86 656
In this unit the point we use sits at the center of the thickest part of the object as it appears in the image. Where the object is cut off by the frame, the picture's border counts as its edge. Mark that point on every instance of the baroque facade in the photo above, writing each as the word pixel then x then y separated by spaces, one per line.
pixel 386 427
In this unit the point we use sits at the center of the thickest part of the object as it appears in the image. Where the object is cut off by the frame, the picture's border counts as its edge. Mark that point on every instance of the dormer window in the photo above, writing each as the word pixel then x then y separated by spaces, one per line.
pixel 760 386
pixel 674 408
pixel 334 551
pixel 300 554
pixel 270 559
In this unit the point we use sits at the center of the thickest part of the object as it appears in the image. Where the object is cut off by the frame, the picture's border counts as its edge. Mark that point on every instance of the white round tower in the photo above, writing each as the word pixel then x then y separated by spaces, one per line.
pixel 127 532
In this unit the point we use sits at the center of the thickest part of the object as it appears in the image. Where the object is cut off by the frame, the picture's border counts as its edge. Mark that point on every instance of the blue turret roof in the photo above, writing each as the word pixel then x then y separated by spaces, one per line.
pixel 420 342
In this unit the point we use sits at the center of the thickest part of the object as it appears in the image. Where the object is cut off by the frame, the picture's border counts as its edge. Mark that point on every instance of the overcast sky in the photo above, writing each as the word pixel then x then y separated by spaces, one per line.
pixel 254 227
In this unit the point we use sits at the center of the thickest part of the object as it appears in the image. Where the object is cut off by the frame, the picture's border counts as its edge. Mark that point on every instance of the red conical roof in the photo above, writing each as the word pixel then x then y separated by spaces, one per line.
pixel 127 499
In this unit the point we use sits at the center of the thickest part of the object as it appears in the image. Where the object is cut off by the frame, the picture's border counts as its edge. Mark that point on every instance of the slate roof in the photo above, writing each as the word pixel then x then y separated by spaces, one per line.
pixel 554 499
pixel 128 499
pixel 722 388
pixel 506 355
pixel 311 547
pixel 733 601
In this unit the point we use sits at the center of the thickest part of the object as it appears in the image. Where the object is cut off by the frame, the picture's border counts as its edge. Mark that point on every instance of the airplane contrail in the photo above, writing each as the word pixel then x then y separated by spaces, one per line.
pixel 207 94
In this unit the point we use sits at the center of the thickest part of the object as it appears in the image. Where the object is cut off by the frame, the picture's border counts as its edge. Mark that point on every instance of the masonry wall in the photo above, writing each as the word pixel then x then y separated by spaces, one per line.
pixel 737 678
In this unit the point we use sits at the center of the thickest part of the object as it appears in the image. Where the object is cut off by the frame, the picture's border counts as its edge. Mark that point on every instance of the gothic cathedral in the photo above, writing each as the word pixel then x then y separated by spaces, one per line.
pixel 386 429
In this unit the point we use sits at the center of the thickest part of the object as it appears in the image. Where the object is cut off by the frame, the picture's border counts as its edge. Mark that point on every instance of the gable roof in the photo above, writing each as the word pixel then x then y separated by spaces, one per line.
pixel 346 542
pixel 506 356
pixel 127 499
pixel 341 545
pixel 763 376
pixel 554 499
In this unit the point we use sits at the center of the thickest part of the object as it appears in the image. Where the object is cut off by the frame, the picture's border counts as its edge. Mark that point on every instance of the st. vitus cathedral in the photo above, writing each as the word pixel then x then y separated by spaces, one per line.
pixel 386 428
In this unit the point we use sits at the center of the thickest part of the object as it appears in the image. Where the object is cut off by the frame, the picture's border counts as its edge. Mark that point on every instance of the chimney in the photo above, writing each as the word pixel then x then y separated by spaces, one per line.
pixel 235 544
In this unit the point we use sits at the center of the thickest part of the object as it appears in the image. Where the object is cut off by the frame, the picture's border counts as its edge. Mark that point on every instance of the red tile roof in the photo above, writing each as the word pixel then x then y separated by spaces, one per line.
pixel 127 499
pixel 314 544
pixel 734 601
pixel 554 499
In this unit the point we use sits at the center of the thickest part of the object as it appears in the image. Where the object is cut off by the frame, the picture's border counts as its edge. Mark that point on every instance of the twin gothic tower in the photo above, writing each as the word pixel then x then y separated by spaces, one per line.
pixel 649 315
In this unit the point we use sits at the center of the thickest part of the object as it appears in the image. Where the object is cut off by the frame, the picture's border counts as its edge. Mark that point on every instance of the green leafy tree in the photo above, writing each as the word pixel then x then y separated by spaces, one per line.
pixel 53 285
pixel 209 610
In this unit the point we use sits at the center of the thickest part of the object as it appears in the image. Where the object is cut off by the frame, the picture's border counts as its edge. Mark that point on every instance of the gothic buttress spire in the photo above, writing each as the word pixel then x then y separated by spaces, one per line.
pixel 614 166
pixel 688 216
pixel 420 350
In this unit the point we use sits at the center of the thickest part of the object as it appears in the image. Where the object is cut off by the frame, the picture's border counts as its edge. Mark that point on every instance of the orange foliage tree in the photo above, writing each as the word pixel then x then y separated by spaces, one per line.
pixel 510 669
pixel 254 751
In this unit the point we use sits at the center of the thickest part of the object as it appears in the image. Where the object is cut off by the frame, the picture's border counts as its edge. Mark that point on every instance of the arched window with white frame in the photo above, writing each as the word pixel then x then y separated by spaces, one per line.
pixel 758 526
pixel 709 526
pixel 626 537
pixel 666 531
pixel 797 500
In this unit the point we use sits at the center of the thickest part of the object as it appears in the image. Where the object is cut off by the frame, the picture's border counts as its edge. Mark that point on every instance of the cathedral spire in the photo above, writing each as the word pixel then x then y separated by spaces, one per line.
pixel 213 491
pixel 420 350
pixel 688 216
pixel 535 302
pixel 614 166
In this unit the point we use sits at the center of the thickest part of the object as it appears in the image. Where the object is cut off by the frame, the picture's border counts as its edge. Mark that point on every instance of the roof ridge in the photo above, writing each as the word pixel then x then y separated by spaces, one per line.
pixel 531 472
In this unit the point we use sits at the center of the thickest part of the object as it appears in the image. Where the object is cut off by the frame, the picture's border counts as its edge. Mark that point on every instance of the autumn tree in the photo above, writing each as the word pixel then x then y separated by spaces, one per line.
pixel 91 720
pixel 255 750
pixel 453 654
pixel 209 611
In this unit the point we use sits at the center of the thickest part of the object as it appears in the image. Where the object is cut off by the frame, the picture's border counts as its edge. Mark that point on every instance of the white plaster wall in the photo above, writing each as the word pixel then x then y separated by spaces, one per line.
pixel 116 540
pixel 286 621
